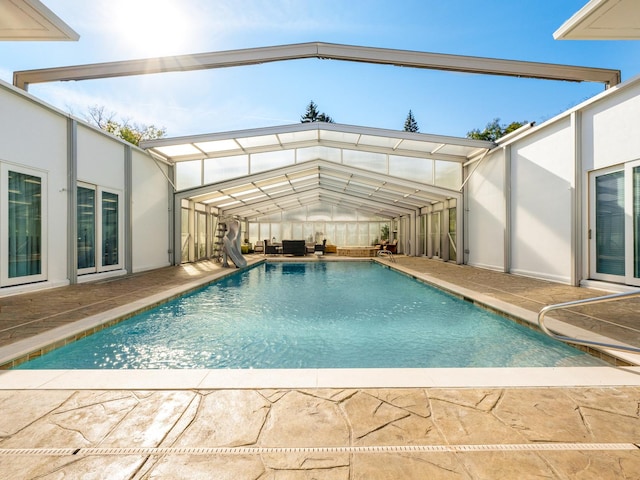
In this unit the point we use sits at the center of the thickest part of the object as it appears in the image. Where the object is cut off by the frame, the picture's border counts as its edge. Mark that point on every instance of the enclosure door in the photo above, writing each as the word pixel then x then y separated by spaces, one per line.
pixel 614 233
pixel 436 234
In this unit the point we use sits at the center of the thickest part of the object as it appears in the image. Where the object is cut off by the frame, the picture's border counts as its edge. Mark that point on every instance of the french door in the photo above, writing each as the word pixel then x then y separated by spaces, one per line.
pixel 615 224
pixel 99 242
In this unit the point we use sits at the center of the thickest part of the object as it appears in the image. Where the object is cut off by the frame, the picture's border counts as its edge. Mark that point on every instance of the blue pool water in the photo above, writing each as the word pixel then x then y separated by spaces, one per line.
pixel 315 315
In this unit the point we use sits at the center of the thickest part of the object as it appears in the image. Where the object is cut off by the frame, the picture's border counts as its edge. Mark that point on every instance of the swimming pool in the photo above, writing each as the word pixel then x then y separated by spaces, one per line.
pixel 314 315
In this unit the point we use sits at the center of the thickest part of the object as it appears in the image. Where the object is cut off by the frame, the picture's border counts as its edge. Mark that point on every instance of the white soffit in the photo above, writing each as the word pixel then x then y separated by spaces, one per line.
pixel 603 20
pixel 31 20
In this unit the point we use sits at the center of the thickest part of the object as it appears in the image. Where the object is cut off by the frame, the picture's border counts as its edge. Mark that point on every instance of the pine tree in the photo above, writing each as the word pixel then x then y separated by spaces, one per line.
pixel 312 115
pixel 410 124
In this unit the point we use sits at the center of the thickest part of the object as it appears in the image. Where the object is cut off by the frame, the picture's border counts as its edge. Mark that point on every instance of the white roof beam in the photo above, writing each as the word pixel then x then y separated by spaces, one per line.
pixel 384 56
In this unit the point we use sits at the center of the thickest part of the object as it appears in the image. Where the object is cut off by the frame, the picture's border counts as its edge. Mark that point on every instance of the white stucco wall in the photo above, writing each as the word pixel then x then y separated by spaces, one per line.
pixel 486 213
pixel 100 159
pixel 150 214
pixel 36 138
pixel 611 128
pixel 542 182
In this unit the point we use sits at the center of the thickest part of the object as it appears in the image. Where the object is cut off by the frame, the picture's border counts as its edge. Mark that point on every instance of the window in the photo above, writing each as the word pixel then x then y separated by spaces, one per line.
pixel 23 227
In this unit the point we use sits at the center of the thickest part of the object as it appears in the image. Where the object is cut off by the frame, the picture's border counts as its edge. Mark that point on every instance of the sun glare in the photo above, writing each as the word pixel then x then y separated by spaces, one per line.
pixel 153 27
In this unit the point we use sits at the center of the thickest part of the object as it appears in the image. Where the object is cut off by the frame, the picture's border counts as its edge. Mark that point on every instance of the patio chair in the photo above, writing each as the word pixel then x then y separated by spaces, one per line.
pixel 391 247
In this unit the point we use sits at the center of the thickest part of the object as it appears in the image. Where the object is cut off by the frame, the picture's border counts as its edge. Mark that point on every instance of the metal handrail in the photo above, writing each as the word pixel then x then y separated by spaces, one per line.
pixel 386 254
pixel 588 301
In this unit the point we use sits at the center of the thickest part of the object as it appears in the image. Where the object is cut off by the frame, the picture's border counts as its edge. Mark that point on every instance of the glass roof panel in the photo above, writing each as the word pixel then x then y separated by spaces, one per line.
pixel 298 137
pixel 270 160
pixel 178 150
pixel 302 174
pixel 239 189
pixel 376 141
pixel 343 137
pixel 258 141
pixel 273 181
pixel 418 146
pixel 457 150
pixel 376 162
pixel 321 152
pixel 218 146
pixel 411 168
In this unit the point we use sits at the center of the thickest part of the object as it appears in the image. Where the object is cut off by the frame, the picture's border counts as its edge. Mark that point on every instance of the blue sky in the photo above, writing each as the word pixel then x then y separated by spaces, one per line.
pixel 352 93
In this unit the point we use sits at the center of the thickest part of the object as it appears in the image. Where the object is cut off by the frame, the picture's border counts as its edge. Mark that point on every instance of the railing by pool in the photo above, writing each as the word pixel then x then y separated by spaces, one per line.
pixel 588 301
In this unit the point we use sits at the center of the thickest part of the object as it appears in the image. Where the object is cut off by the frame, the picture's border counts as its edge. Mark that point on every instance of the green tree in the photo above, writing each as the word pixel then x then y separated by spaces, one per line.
pixel 131 132
pixel 410 124
pixel 313 115
pixel 493 131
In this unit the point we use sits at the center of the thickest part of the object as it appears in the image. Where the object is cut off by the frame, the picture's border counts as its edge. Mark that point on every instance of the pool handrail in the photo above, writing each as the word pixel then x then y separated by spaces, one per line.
pixel 587 301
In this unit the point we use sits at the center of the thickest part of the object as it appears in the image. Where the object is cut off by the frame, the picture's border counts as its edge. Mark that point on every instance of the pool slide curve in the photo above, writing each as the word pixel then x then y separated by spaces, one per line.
pixel 231 245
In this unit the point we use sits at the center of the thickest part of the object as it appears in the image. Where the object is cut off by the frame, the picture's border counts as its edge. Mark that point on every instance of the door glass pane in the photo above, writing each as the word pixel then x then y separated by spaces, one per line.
pixel 636 222
pixel 610 223
pixel 109 229
pixel 86 227
pixel 185 237
pixel 423 235
pixel 25 225
pixel 435 234
pixel 201 238
pixel 452 234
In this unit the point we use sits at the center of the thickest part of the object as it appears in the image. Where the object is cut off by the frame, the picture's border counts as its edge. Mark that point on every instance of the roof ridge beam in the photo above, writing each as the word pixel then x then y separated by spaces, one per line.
pixel 384 56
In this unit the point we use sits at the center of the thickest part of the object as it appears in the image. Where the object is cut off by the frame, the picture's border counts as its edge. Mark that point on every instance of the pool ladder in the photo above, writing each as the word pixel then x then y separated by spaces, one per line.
pixel 386 254
pixel 588 301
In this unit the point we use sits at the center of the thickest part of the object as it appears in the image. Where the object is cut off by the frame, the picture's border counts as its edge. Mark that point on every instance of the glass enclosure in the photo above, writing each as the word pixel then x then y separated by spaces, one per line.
pixel 317 223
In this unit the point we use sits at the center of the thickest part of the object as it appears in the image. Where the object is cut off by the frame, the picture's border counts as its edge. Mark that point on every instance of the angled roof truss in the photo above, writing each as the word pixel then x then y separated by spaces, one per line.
pixel 317 181
pixel 384 56
pixel 301 135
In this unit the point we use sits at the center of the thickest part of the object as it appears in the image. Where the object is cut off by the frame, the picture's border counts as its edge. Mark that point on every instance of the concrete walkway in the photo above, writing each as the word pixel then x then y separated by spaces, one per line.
pixel 326 433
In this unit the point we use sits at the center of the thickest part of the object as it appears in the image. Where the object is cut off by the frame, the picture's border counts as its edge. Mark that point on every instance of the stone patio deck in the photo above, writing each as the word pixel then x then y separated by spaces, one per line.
pixel 586 432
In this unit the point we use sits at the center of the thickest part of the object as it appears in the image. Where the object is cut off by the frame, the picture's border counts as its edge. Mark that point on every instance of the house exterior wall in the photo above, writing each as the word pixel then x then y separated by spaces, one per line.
pixel 548 192
pixel 34 138
pixel 486 210
pixel 611 128
pixel 542 183
pixel 150 213
pixel 100 159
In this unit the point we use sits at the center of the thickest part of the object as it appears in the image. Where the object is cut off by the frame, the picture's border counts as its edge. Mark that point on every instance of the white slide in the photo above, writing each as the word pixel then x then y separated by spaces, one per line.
pixel 231 245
